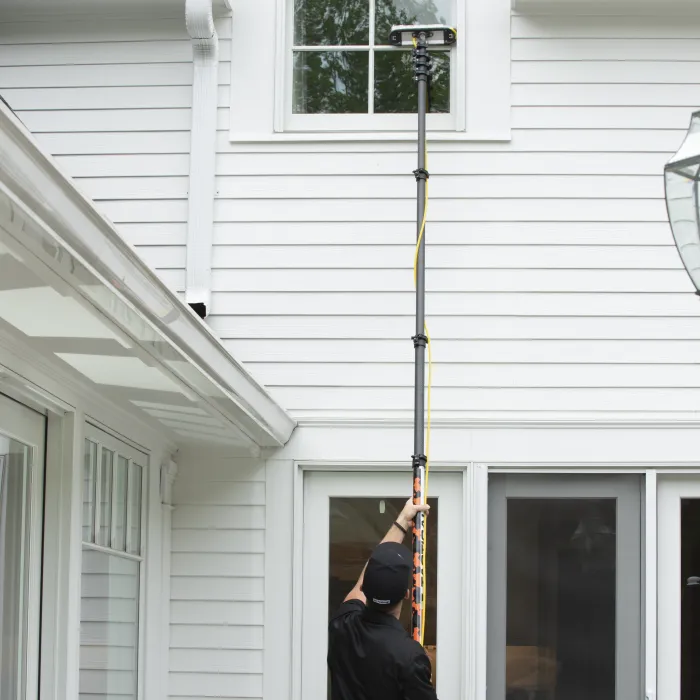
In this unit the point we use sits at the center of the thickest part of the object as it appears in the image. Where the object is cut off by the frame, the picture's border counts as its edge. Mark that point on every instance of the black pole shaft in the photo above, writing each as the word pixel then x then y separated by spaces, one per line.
pixel 422 74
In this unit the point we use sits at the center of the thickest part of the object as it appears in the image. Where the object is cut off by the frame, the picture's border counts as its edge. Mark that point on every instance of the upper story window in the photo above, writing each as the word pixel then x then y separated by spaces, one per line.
pixel 342 63
pixel 329 73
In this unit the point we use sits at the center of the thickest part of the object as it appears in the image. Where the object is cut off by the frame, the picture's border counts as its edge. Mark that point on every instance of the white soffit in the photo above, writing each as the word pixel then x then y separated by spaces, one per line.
pixel 88 8
pixel 73 291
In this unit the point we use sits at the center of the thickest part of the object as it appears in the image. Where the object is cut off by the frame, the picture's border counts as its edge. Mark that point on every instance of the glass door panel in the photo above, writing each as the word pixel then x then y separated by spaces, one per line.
pixel 564 588
pixel 678 588
pixel 21 456
pixel 345 517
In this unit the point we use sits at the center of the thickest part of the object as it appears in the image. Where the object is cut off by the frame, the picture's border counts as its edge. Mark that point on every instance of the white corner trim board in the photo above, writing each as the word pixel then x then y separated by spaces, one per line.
pixel 199 17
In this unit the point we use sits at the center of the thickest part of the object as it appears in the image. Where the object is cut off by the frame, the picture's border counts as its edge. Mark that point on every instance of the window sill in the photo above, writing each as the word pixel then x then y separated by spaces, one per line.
pixel 358 136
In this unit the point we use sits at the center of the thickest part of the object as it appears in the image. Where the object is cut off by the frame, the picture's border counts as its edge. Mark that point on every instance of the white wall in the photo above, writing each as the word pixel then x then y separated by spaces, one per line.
pixel 217 585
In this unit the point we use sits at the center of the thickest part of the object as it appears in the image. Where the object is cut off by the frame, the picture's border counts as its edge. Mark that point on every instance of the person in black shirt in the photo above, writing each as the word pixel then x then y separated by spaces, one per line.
pixel 370 655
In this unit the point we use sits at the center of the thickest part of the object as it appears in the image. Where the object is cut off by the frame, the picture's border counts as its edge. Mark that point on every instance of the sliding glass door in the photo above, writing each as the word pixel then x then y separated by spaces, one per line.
pixel 21 469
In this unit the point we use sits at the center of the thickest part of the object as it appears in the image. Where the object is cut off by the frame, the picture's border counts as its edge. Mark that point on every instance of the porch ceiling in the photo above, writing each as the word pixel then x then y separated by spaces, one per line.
pixel 76 294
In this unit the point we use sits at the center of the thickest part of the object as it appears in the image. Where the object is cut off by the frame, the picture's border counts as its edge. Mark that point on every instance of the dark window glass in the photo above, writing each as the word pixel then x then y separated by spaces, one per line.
pixel 690 599
pixel 395 87
pixel 356 526
pixel 561 579
pixel 331 82
pixel 331 22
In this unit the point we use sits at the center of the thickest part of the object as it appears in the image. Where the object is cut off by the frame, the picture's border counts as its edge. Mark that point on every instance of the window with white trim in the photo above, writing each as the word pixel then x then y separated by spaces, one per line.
pixel 291 77
pixel 111 590
pixel 344 68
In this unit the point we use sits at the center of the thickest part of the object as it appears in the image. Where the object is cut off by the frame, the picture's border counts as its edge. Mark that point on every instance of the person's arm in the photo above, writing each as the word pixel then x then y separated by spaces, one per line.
pixel 395 534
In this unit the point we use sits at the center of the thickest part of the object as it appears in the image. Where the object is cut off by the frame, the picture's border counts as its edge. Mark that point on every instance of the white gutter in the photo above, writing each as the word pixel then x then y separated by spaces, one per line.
pixel 199 17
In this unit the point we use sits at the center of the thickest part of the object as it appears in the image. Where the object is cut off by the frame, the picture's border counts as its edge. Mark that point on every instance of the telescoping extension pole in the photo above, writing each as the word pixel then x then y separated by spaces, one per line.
pixel 421 65
pixel 420 37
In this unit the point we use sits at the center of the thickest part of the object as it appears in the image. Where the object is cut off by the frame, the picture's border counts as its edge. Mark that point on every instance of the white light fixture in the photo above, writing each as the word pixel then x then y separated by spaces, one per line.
pixel 682 175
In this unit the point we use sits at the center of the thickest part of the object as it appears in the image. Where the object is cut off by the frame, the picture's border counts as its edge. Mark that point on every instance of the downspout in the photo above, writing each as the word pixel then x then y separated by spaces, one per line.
pixel 199 17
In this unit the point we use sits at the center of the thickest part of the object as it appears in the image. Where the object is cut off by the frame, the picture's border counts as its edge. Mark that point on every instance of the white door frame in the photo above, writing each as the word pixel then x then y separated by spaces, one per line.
pixel 671 490
pixel 25 425
pixel 319 487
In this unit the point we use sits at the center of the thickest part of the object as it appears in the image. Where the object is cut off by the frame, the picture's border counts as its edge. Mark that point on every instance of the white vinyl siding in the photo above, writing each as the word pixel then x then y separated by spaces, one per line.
pixel 554 289
pixel 217 584
pixel 111 100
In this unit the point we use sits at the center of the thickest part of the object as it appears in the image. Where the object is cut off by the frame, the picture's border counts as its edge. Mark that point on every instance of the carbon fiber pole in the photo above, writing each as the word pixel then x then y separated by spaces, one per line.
pixel 422 74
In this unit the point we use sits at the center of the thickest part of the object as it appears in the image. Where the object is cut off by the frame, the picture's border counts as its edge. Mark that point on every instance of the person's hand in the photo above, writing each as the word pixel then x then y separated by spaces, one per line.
pixel 409 512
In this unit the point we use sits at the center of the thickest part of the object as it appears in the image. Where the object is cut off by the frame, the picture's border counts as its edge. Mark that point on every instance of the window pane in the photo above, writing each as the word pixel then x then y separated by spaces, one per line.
pixel 105 485
pixel 119 504
pixel 561 601
pixel 690 600
pixel 331 82
pixel 89 491
pixel 331 22
pixel 391 12
pixel 394 86
pixel 357 525
pixel 109 620
pixel 133 539
pixel 15 472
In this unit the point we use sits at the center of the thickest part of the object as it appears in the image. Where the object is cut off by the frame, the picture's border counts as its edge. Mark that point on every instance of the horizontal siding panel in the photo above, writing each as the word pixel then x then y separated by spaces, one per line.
pixel 69 76
pixel 89 29
pixel 101 188
pixel 209 493
pixel 99 97
pixel 145 211
pixel 470 375
pixel 621 118
pixel 474 163
pixel 453 257
pixel 453 303
pixel 206 564
pixel 440 210
pixel 502 399
pixel 107 120
pixel 216 660
pixel 154 234
pixel 554 351
pixel 216 612
pixel 215 637
pixel 604 26
pixel 124 165
pixel 441 186
pixel 457 327
pixel 596 49
pixel 442 233
pixel 222 469
pixel 108 52
pixel 136 143
pixel 474 280
pixel 649 95
pixel 606 72
pixel 211 588
pixel 247 541
pixel 197 686
pixel 213 517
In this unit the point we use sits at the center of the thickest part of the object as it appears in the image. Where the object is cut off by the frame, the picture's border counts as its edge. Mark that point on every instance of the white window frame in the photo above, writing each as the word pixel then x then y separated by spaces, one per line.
pixel 480 82
pixel 120 448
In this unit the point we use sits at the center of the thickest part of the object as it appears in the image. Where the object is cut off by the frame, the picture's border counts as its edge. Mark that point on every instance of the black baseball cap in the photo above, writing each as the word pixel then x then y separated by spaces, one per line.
pixel 388 574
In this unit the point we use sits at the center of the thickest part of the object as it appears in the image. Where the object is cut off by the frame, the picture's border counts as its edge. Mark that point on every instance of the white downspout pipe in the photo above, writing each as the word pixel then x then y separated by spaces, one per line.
pixel 199 17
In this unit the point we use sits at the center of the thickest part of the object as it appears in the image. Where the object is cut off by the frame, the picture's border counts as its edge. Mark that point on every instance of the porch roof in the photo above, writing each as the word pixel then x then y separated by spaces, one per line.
pixel 75 292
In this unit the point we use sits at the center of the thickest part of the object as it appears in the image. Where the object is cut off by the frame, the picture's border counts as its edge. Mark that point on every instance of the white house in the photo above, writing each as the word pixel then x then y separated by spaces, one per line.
pixel 183 499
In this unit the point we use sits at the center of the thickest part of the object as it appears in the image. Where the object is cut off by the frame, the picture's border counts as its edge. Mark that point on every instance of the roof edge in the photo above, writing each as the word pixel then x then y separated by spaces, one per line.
pixel 36 180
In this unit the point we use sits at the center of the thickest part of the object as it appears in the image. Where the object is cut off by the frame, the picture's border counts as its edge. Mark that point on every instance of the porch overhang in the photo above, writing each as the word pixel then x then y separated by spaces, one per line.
pixel 75 292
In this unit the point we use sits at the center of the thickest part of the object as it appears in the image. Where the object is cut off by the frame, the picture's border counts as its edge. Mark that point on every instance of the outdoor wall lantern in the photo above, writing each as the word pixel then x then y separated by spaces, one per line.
pixel 682 175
